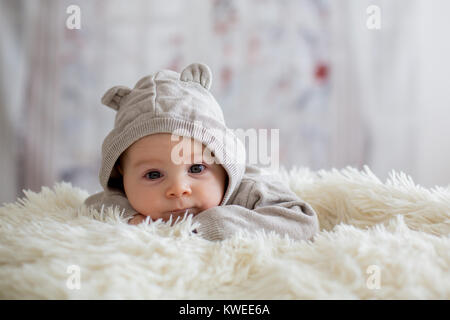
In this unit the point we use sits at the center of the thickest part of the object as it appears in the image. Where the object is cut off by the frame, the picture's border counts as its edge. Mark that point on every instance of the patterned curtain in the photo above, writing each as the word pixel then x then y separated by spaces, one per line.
pixel 339 92
pixel 269 58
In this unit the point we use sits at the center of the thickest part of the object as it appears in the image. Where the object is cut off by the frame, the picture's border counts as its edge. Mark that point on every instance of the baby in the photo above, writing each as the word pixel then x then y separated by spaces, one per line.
pixel 171 154
pixel 173 188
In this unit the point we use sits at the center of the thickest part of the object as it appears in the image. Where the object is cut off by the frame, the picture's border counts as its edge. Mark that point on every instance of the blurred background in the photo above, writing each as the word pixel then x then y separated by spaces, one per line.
pixel 342 88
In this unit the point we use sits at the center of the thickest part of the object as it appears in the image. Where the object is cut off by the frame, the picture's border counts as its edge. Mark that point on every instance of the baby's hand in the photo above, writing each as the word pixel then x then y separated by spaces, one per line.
pixel 138 218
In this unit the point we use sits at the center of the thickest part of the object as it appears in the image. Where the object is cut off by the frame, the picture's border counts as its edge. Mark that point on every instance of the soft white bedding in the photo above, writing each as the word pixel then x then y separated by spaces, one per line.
pixel 378 241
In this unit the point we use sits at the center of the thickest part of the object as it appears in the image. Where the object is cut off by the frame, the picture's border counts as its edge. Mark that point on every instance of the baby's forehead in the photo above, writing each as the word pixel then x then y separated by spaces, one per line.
pixel 163 147
pixel 165 142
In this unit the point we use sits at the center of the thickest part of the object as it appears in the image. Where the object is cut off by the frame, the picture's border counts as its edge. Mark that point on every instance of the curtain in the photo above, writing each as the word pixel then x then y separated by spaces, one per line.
pixel 269 60
pixel 389 102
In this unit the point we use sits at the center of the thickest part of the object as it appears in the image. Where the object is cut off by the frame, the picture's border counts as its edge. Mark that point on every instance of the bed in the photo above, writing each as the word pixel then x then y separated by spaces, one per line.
pixel 377 240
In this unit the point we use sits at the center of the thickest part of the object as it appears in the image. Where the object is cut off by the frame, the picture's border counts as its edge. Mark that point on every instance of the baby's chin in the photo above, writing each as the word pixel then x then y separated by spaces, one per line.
pixel 165 216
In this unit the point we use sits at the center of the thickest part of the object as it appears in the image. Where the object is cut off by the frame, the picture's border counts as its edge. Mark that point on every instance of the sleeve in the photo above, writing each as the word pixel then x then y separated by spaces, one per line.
pixel 265 204
pixel 111 198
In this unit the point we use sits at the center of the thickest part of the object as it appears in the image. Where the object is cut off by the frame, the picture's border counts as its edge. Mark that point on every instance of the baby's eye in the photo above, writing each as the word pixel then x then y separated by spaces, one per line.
pixel 152 175
pixel 197 168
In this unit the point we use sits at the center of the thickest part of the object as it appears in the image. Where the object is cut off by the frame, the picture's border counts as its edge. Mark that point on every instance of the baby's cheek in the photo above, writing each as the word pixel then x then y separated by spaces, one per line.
pixel 142 202
pixel 212 196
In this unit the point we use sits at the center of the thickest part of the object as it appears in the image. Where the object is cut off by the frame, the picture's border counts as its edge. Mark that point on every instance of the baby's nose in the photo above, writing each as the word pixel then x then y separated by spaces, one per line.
pixel 178 188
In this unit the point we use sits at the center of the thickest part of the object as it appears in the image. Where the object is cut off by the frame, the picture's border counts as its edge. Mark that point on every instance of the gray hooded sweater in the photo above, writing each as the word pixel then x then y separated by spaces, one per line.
pixel 181 104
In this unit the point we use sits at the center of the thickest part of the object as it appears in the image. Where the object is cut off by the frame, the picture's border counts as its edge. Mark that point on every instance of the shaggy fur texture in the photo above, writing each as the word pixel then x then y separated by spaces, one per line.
pixel 377 241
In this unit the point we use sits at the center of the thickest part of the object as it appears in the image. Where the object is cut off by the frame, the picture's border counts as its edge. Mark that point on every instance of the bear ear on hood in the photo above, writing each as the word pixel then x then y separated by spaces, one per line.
pixel 113 96
pixel 197 72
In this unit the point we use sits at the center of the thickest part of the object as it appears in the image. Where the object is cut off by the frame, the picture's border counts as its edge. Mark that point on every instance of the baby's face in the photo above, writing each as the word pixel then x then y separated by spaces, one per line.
pixel 157 184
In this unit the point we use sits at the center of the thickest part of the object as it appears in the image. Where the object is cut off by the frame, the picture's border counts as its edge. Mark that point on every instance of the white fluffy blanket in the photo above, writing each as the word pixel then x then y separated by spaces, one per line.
pixel 377 241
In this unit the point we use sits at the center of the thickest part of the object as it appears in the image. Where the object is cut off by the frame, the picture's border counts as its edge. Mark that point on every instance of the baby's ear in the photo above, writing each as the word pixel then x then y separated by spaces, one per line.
pixel 113 96
pixel 119 168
